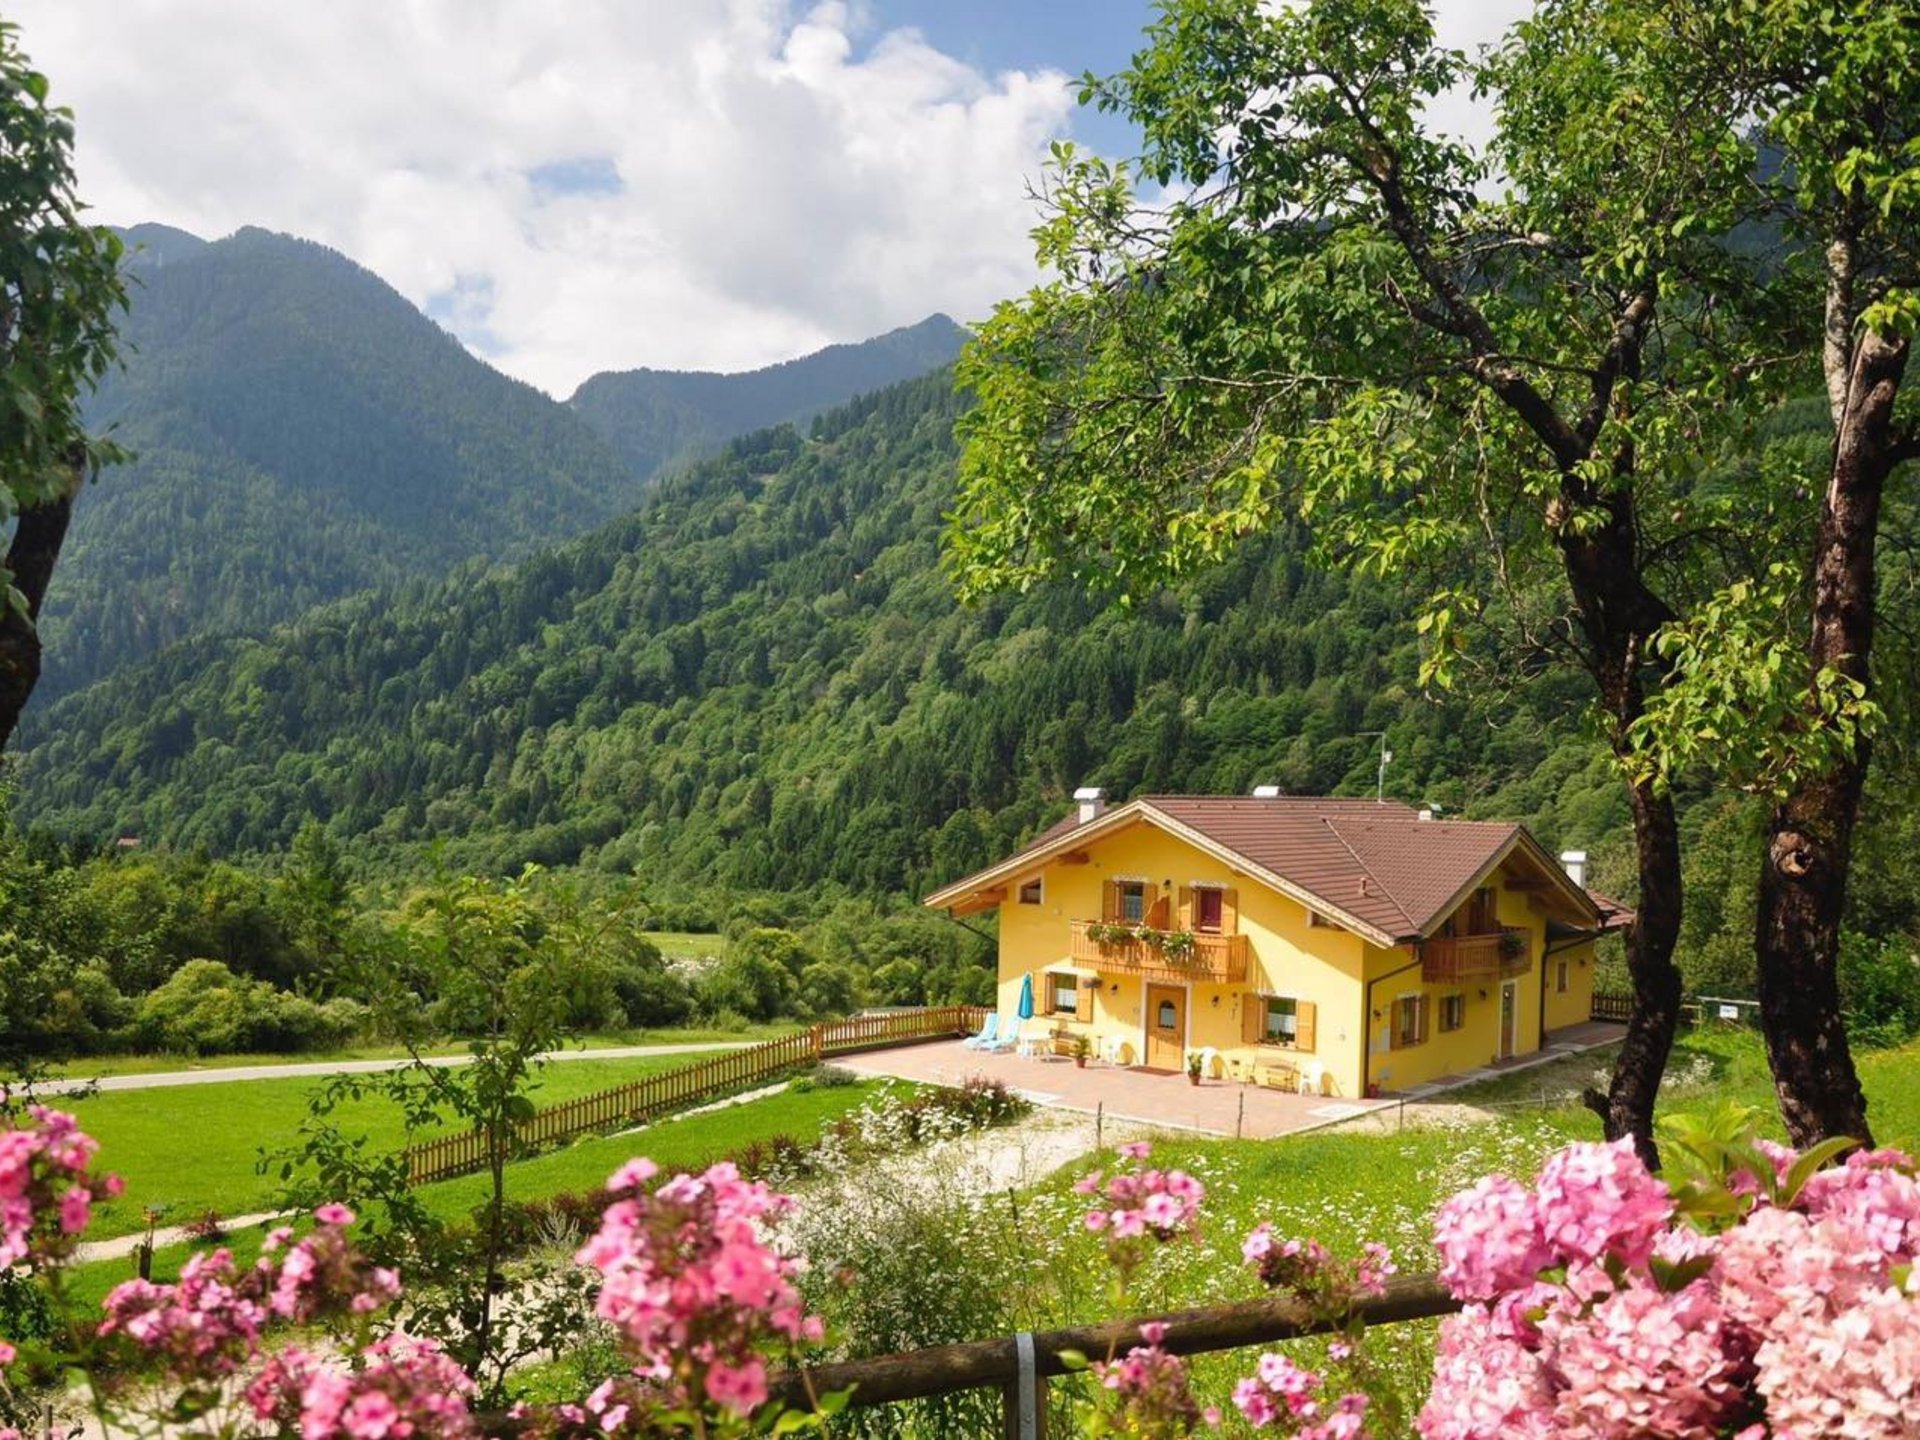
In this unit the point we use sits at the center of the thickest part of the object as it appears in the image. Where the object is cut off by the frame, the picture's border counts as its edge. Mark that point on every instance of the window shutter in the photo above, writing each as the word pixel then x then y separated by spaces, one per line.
pixel 1083 999
pixel 1157 914
pixel 1422 1008
pixel 1303 1024
pixel 1110 901
pixel 1186 907
pixel 1229 912
pixel 1253 1019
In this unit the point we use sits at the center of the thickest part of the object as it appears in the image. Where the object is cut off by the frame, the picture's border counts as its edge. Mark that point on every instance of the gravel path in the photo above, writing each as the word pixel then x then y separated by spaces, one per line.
pixel 223 1075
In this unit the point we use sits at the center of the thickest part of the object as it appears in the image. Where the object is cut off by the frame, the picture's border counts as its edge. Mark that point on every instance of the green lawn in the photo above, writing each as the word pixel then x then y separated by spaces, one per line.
pixel 689 944
pixel 192 1148
pixel 689 1143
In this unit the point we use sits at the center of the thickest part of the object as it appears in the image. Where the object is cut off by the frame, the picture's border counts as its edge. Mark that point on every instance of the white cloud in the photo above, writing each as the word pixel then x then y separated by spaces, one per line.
pixel 706 184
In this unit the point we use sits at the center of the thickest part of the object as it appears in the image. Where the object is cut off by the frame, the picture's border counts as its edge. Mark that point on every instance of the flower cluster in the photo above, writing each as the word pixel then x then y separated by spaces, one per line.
pixel 1606 1306
pixel 208 1324
pixel 401 1387
pixel 46 1190
pixel 1306 1268
pixel 694 1289
pixel 1149 1391
pixel 1139 1206
pixel 1285 1396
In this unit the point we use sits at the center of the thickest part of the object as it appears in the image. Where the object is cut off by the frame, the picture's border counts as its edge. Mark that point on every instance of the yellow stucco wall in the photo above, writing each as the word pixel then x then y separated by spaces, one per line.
pixel 1575 1003
pixel 1351 983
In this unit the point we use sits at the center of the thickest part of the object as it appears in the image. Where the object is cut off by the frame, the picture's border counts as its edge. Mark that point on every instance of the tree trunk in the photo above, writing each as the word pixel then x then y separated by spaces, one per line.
pixel 1617 614
pixel 37 537
pixel 1809 840
pixel 1627 1107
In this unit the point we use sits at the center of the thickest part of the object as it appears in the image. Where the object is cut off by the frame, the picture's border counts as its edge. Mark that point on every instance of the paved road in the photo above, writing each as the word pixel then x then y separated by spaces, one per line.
pixel 160 1080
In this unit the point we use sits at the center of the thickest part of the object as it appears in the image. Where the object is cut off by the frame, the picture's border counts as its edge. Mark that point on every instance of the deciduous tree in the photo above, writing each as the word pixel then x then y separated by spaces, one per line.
pixel 60 289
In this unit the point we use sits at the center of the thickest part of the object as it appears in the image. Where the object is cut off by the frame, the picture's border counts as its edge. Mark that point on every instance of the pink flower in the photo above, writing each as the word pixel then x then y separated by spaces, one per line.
pixel 741 1389
pixel 334 1215
pixel 1601 1200
pixel 1490 1239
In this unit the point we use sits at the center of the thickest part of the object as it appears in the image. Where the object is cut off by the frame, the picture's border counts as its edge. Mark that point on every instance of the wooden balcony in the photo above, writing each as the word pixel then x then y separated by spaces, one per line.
pixel 1214 960
pixel 1497 955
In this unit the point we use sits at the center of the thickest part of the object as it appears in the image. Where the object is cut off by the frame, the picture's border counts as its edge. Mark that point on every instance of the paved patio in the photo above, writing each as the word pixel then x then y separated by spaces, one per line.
pixel 1215 1107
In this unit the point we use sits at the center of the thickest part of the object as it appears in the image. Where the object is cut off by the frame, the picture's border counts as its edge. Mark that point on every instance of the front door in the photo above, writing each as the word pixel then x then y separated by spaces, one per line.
pixel 1166 1027
pixel 1509 1018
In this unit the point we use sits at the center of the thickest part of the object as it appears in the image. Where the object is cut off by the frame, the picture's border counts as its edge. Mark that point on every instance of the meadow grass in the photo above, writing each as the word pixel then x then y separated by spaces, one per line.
pixel 193 1148
pixel 688 1143
pixel 689 944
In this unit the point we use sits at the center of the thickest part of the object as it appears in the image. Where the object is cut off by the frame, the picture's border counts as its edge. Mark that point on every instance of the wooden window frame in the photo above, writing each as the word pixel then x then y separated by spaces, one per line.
pixel 1562 975
pixel 1256 1026
pixel 1073 982
pixel 1453 1011
pixel 1421 1019
pixel 1038 885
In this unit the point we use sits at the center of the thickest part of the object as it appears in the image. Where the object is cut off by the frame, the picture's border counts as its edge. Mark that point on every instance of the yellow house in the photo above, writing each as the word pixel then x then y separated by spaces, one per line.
pixel 1347 947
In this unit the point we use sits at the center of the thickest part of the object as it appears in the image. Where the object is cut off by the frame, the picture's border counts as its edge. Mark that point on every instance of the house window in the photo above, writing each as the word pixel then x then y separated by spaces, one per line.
pixel 1409 1021
pixel 1561 976
pixel 1209 910
pixel 1453 1011
pixel 1280 1020
pixel 1133 902
pixel 1063 994
pixel 1030 892
pixel 1283 1021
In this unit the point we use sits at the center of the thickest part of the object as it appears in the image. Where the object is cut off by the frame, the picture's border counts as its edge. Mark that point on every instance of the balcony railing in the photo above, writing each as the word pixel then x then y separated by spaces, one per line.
pixel 1214 959
pixel 1498 955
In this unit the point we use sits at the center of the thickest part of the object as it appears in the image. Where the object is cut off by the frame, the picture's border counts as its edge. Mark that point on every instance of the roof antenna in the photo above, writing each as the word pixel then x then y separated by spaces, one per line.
pixel 1386 759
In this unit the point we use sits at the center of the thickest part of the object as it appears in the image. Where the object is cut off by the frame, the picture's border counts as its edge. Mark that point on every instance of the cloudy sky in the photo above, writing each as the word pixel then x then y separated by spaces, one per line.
pixel 583 185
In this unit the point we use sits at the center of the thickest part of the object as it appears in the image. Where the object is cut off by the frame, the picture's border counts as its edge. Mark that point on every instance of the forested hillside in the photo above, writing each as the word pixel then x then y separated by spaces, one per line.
pixel 657 418
pixel 301 432
pixel 763 682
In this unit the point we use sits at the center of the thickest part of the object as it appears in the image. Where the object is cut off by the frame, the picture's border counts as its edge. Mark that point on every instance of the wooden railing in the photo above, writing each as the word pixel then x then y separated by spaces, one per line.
pixel 1219 959
pixel 639 1101
pixel 1498 955
pixel 995 1364
pixel 1615 1008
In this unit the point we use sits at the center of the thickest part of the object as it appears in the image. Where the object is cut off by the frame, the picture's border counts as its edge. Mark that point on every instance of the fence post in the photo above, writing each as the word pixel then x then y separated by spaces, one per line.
pixel 1099 1124
pixel 1024 1400
pixel 819 1034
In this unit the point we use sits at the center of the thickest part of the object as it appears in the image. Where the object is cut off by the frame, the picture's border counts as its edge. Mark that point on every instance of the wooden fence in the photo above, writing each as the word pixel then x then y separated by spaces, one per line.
pixel 1022 1379
pixel 1616 1008
pixel 642 1100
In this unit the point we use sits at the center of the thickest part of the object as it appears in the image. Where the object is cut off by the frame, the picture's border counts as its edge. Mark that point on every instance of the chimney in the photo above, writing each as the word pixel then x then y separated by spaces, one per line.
pixel 1266 792
pixel 1575 864
pixel 1091 802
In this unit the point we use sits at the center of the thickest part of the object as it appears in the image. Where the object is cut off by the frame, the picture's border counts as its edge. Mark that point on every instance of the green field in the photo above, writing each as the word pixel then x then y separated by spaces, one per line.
pixel 192 1148
pixel 688 1143
pixel 689 944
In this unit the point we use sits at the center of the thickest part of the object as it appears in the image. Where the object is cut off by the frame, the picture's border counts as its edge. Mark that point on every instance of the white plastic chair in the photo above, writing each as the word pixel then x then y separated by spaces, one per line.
pixel 1310 1073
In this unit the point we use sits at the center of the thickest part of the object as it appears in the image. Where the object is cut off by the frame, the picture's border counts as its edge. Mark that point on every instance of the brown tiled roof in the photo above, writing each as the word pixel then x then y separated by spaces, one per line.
pixel 1614 914
pixel 1379 864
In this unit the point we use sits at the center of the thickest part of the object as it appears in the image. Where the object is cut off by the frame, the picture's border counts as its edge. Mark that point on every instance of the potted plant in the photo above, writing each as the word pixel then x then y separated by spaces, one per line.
pixel 1082 1048
pixel 1513 944
pixel 1193 1068
pixel 1178 945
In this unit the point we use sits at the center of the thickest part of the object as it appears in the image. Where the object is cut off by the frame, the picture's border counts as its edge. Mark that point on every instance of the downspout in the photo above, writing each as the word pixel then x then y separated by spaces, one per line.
pixel 1366 1022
